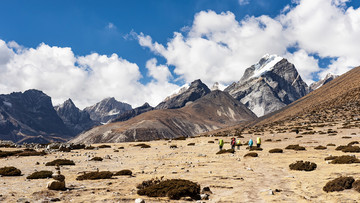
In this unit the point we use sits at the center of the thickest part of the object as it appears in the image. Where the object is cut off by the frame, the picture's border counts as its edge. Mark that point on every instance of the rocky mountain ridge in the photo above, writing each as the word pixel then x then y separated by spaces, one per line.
pixel 75 120
pixel 107 109
pixel 30 117
pixel 268 85
pixel 212 111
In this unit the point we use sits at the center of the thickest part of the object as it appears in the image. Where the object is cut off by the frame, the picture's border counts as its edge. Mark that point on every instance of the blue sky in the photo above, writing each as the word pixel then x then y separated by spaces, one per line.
pixel 84 25
pixel 152 58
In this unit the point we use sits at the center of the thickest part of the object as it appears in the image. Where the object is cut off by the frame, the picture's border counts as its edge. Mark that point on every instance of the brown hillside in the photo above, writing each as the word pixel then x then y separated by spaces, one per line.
pixel 213 111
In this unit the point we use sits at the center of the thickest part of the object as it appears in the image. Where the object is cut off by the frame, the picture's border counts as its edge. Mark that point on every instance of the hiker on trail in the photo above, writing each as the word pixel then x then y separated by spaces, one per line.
pixel 238 144
pixel 221 144
pixel 258 142
pixel 233 142
pixel 250 143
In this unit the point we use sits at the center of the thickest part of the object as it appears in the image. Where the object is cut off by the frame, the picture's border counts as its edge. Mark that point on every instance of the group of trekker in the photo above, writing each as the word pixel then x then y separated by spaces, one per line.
pixel 237 143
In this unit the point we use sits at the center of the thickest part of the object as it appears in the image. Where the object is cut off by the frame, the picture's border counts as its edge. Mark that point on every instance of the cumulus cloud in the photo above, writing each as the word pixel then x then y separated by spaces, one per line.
pixel 84 79
pixel 218 48
pixel 110 26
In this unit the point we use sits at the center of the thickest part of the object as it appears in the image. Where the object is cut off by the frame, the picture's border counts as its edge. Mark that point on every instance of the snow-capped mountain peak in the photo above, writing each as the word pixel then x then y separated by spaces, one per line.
pixel 266 63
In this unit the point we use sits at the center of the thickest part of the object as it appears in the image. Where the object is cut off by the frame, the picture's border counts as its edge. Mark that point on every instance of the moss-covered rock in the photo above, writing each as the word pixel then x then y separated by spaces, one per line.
pixel 303 166
pixel 95 175
pixel 60 162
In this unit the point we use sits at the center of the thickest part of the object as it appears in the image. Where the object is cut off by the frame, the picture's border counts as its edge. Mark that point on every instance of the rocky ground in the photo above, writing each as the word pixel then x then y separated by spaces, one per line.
pixel 231 177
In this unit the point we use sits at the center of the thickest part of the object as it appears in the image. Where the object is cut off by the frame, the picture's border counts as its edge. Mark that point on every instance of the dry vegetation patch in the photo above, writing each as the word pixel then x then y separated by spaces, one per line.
pixel 303 166
pixel 191 144
pixel 40 175
pixel 356 185
pixel 142 145
pixel 276 150
pixel 124 172
pixel 295 147
pixel 346 159
pixel 95 175
pixel 173 188
pixel 251 154
pixel 224 151
pixel 104 146
pixel 96 159
pixel 351 149
pixel 320 147
pixel 10 171
pixel 339 184
pixel 60 162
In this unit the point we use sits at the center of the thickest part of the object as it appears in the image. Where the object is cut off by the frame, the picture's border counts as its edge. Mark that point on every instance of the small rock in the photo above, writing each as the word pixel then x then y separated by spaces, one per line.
pixel 139 200
pixel 204 197
pixel 56 185
pixel 206 190
pixel 55 200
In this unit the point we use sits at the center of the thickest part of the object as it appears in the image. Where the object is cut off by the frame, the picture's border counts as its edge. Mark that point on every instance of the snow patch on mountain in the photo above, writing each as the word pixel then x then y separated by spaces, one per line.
pixel 266 63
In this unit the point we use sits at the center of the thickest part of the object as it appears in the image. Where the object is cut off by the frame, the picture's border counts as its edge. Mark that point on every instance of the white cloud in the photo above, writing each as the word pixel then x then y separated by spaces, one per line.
pixel 305 64
pixel 159 73
pixel 85 79
pixel 110 26
pixel 244 2
pixel 218 48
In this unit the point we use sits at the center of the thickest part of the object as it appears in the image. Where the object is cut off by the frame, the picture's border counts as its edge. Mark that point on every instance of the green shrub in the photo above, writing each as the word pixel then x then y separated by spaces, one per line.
pixel 339 184
pixel 174 189
pixel 10 171
pixel 40 175
pixel 124 172
pixel 276 150
pixel 303 166
pixel 60 162
pixel 95 175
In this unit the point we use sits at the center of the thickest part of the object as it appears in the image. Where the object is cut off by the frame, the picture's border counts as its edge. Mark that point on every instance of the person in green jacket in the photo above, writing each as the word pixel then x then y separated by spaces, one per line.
pixel 221 144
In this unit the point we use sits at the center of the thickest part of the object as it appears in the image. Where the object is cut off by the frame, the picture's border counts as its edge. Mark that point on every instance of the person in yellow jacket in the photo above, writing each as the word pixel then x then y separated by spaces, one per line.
pixel 258 142
pixel 221 144
pixel 238 143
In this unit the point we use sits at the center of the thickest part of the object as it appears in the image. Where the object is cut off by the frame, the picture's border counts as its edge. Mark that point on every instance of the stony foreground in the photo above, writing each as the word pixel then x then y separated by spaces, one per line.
pixel 231 177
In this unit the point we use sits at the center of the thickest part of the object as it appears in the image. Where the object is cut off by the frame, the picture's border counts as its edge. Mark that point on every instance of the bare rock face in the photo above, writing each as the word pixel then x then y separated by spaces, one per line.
pixel 196 90
pixel 134 112
pixel 107 110
pixel 30 117
pixel 329 77
pixel 269 85
pixel 76 120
